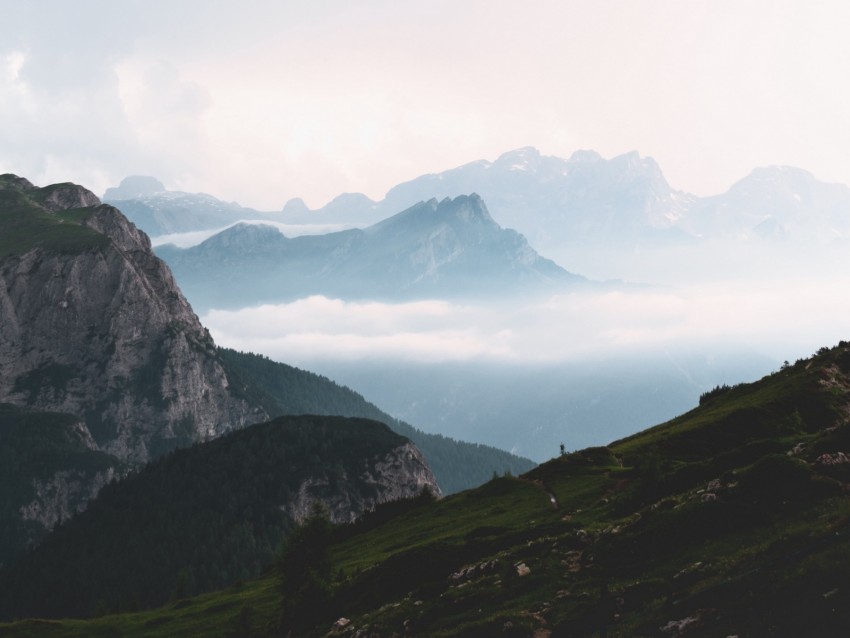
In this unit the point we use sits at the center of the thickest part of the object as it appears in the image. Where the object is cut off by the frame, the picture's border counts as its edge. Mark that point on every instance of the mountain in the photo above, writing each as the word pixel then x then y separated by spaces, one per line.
pixel 102 358
pixel 157 211
pixel 211 514
pixel 584 198
pixel 552 201
pixel 134 186
pixel 619 218
pixel 450 248
pixel 92 324
pixel 731 519
pixel 775 203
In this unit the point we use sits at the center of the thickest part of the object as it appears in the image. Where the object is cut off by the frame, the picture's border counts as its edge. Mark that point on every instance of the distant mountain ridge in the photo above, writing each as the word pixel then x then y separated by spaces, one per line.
pixel 600 217
pixel 158 211
pixel 449 248
pixel 625 200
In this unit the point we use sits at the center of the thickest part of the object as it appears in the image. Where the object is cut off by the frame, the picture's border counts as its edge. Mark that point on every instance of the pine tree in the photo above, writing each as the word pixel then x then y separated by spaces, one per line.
pixel 305 573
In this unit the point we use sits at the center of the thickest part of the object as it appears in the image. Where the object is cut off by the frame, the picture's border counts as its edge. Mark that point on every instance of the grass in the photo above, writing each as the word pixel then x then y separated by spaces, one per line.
pixel 706 520
pixel 25 225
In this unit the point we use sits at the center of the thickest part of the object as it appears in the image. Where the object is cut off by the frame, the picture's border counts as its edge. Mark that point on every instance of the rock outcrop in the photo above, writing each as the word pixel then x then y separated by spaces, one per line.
pixel 64 494
pixel 402 473
pixel 101 331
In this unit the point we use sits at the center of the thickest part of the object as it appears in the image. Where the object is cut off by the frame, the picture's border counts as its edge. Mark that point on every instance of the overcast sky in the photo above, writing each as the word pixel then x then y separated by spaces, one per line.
pixel 258 101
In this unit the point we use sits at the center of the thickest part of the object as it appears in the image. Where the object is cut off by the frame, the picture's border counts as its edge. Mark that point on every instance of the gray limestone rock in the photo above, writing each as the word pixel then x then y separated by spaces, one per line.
pixel 106 335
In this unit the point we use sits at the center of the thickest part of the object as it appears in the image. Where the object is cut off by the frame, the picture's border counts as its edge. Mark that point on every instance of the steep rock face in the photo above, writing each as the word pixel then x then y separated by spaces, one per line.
pixel 64 494
pixel 105 334
pixel 401 473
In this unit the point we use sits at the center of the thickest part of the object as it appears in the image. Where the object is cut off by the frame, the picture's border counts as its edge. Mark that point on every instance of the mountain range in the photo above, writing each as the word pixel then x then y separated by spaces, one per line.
pixel 104 366
pixel 157 211
pixel 624 201
pixel 608 219
pixel 449 249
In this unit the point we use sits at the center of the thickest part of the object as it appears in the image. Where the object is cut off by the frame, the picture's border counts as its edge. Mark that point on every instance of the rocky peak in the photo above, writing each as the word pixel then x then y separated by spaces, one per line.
pixel 21 183
pixel 401 473
pixel 65 196
pixel 103 333
pixel 109 221
pixel 465 208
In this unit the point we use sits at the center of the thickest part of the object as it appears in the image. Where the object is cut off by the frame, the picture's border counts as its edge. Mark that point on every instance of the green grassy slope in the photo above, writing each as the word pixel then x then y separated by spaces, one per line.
pixel 26 224
pixel 729 520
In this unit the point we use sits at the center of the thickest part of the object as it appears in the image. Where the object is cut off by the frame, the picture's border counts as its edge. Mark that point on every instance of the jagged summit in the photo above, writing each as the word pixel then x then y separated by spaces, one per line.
pixel 446 248
pixel 53 198
pixel 66 196
pixel 456 212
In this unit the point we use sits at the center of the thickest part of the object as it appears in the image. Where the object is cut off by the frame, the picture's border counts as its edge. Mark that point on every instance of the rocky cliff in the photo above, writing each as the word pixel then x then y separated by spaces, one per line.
pixel 401 473
pixel 93 324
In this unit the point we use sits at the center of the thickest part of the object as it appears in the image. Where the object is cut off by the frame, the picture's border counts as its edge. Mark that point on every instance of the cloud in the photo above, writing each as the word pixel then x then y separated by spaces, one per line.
pixel 784 321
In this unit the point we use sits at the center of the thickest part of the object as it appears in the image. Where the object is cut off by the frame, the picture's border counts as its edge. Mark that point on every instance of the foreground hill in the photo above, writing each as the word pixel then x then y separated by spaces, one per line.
pixel 203 517
pixel 729 520
pixel 446 249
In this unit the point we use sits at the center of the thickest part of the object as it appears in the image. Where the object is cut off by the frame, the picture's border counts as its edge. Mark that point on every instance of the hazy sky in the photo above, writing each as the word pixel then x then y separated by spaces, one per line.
pixel 259 101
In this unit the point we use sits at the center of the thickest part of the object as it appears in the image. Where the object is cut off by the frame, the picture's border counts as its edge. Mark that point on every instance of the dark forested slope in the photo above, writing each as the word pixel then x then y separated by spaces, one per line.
pixel 205 516
pixel 283 389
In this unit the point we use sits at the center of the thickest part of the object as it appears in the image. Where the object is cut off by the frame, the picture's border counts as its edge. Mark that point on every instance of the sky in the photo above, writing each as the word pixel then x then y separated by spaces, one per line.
pixel 259 101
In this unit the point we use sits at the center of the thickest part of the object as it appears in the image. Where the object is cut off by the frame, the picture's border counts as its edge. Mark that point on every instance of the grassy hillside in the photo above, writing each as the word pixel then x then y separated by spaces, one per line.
pixel 25 224
pixel 729 520
pixel 282 389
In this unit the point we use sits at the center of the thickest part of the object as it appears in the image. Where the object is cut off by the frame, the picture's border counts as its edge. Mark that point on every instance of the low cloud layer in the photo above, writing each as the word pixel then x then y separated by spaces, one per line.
pixel 784 321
